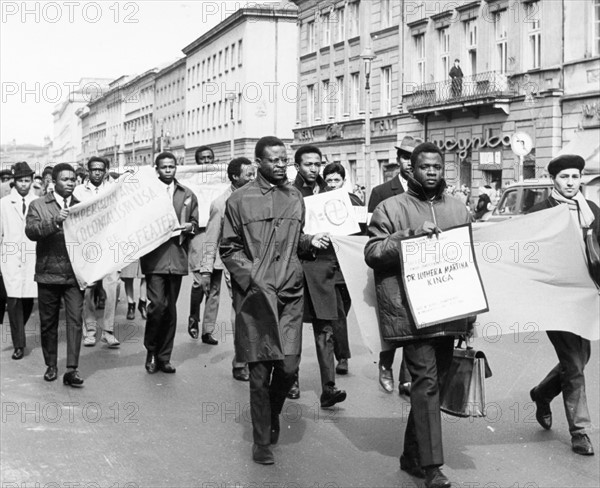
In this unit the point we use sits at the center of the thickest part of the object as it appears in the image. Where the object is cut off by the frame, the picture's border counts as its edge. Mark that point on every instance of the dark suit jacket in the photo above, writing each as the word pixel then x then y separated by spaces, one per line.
pixel 321 274
pixel 383 192
pixel 171 257
pixel 52 265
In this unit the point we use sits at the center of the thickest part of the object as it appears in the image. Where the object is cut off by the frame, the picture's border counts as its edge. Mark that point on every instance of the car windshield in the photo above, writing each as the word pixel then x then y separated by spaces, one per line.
pixel 508 205
pixel 533 196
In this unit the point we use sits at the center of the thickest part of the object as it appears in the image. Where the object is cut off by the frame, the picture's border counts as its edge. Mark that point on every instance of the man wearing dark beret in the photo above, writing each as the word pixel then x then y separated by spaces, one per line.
pixel 573 351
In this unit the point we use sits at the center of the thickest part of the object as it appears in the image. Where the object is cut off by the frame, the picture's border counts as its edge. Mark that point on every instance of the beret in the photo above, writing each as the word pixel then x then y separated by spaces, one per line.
pixel 565 161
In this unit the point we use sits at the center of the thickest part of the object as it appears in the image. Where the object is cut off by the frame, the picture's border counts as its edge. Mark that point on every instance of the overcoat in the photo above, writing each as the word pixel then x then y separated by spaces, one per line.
pixel 18 252
pixel 262 236
pixel 393 219
pixel 321 273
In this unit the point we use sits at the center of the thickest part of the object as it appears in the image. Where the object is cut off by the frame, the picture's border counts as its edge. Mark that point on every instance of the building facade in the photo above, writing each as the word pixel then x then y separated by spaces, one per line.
pixel 67 140
pixel 169 109
pixel 241 82
pixel 518 77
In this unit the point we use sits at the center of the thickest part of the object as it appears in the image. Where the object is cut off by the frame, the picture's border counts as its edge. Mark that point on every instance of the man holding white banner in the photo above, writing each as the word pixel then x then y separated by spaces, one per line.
pixel 423 210
pixel 165 267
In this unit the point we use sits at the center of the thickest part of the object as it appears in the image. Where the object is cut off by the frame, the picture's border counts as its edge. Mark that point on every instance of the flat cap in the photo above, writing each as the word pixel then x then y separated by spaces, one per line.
pixel 565 161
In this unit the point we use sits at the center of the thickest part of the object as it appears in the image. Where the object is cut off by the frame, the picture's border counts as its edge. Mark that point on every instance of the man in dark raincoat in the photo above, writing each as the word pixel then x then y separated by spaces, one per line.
pixel 262 234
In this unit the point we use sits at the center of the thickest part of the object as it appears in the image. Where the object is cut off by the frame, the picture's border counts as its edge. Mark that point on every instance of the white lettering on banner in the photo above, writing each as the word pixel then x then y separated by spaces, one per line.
pixel 119 226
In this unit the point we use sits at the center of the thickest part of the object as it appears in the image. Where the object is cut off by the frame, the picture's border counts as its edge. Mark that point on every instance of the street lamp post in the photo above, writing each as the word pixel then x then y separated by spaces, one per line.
pixel 367 56
pixel 133 145
pixel 115 149
pixel 231 98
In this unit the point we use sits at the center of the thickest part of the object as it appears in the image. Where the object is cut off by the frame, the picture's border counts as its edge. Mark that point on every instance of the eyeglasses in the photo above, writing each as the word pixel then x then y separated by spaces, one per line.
pixel 277 161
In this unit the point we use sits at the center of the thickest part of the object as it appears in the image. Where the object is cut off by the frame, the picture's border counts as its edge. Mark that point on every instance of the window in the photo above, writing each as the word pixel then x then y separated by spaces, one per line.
pixel 354 94
pixel 325 32
pixel 310 36
pixel 596 28
pixel 386 13
pixel 310 104
pixel 325 99
pixel 444 37
pixel 214 66
pixel 386 90
pixel 240 52
pixel 534 35
pixel 207 68
pixel 500 29
pixel 226 59
pixel 352 172
pixel 220 70
pixel 340 31
pixel 340 107
pixel 233 56
pixel 471 37
pixel 420 57
pixel 353 29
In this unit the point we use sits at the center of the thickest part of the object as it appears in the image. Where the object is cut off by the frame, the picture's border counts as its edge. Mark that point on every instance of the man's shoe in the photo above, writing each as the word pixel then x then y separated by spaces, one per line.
pixel 241 374
pixel 110 340
pixel 342 367
pixel 72 378
pixel 151 365
pixel 193 328
pixel 331 395
pixel 209 339
pixel 275 429
pixel 130 311
pixel 543 414
pixel 18 354
pixel 404 389
pixel 412 466
pixel 294 392
pixel 166 367
pixel 581 444
pixel 142 308
pixel 89 341
pixel 51 373
pixel 386 379
pixel 434 478
pixel 262 454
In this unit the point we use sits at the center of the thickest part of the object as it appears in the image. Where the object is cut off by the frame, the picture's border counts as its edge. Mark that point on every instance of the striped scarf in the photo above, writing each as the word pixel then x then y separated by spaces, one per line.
pixel 581 212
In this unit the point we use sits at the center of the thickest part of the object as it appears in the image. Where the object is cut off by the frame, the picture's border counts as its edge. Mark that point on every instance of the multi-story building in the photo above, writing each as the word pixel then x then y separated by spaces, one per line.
pixel 38 156
pixel 518 77
pixel 240 82
pixel 336 40
pixel 67 141
pixel 169 109
pixel 102 124
pixel 135 127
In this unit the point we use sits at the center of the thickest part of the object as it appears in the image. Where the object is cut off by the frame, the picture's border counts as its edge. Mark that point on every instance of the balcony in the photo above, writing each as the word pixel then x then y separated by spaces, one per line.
pixel 491 88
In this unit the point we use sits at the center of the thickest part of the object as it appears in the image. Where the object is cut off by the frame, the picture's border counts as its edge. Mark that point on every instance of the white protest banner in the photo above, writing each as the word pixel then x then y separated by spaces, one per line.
pixel 114 229
pixel 441 277
pixel 207 181
pixel 330 212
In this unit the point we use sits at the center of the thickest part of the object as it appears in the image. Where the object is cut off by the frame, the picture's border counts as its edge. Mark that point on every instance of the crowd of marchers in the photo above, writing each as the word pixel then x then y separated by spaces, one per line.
pixel 278 278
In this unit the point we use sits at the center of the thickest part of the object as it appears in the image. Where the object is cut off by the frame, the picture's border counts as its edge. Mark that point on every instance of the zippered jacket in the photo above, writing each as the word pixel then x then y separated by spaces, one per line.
pixel 395 218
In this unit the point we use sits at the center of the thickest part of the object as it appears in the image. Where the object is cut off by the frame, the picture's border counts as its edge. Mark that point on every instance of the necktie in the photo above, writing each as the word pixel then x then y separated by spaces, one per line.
pixel 24 206
pixel 66 205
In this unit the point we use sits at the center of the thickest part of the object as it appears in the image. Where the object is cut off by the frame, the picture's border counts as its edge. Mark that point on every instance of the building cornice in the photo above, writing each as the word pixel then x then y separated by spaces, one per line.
pixel 238 18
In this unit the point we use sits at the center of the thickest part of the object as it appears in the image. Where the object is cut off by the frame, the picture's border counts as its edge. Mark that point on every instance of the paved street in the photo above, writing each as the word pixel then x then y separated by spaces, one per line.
pixel 129 429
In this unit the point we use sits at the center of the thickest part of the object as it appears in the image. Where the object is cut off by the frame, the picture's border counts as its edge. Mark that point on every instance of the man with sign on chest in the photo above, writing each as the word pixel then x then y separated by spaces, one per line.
pixel 424 210
pixel 323 303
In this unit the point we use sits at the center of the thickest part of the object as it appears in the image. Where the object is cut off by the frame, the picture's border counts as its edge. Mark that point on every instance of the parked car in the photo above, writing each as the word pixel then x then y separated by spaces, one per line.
pixel 519 197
